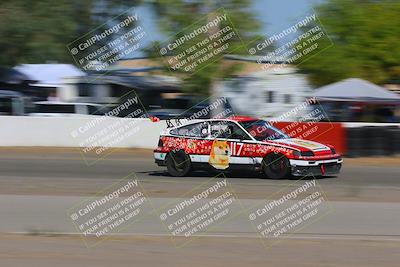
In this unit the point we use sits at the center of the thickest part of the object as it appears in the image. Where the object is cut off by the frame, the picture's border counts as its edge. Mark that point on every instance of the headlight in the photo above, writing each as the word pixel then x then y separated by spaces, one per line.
pixel 296 153
pixel 303 154
pixel 307 154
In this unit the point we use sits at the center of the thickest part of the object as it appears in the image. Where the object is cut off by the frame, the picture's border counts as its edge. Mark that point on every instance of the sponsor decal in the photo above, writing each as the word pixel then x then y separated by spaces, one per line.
pixel 219 155
pixel 304 143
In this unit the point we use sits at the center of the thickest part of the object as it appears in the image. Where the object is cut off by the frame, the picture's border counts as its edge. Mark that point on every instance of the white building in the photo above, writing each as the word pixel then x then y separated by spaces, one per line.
pixel 57 80
pixel 266 93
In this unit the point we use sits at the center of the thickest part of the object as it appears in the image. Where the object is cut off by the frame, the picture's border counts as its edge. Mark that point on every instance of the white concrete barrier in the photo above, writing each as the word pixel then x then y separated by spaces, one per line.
pixel 89 131
pixel 365 124
pixel 79 131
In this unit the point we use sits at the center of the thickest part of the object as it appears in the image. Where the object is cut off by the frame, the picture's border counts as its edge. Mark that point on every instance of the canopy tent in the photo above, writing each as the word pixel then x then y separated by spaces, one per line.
pixel 356 90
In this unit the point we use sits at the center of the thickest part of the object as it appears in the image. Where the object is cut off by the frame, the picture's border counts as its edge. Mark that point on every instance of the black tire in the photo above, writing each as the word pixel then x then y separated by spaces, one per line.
pixel 276 166
pixel 178 164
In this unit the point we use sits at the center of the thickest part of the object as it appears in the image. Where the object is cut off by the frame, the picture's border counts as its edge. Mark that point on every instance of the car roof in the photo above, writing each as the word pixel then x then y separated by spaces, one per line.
pixel 232 118
pixel 242 118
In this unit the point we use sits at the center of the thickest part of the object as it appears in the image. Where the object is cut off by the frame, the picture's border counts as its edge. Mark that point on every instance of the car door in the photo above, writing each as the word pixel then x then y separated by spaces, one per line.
pixel 238 141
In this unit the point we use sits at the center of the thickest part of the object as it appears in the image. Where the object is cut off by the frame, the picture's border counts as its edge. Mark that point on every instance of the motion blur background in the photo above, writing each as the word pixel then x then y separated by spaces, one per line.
pixel 341 57
pixel 354 75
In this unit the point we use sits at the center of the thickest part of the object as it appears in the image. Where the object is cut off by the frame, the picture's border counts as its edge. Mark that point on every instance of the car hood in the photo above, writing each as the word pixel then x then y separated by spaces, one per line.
pixel 303 144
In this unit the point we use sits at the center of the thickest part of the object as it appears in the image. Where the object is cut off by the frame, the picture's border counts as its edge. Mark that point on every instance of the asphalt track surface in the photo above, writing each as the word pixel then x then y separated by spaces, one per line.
pixel 38 186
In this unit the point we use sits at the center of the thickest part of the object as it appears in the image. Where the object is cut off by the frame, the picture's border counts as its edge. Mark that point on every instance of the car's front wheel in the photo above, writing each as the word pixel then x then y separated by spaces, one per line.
pixel 276 166
pixel 178 163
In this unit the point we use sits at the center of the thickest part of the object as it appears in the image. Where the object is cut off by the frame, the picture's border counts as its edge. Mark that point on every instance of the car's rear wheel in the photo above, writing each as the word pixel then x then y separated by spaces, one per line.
pixel 276 166
pixel 178 163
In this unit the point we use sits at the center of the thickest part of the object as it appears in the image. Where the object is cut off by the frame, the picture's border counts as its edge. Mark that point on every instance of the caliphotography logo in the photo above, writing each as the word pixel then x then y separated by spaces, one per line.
pixel 291 46
pixel 100 135
pixel 200 133
pixel 199 211
pixel 120 37
pixel 200 44
pixel 289 211
pixel 111 211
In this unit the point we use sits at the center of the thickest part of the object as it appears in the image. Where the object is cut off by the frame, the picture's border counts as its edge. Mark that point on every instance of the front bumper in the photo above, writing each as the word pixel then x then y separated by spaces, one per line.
pixel 328 167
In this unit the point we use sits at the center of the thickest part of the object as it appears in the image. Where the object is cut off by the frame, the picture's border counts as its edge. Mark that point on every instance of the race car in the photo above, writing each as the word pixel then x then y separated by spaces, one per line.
pixel 243 143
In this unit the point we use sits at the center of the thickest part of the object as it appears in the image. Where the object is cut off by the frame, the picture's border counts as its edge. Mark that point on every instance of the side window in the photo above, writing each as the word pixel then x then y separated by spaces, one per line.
pixel 198 130
pixel 227 130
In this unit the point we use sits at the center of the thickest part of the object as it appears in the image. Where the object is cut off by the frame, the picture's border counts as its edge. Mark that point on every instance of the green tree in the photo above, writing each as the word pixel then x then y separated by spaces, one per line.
pixel 39 31
pixel 366 37
pixel 35 31
pixel 176 15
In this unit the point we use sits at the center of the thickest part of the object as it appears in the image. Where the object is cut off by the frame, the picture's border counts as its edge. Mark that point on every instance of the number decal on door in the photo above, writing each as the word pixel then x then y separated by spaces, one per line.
pixel 236 148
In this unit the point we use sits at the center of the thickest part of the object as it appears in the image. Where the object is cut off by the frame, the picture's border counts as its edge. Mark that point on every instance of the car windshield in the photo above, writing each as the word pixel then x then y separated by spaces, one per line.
pixel 262 130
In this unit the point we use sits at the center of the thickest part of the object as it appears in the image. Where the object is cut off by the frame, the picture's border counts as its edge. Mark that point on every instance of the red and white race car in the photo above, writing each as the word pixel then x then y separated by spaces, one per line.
pixel 243 143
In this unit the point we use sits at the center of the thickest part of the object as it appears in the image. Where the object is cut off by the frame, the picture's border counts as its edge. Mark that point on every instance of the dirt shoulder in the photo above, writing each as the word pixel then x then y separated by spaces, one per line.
pixel 46 251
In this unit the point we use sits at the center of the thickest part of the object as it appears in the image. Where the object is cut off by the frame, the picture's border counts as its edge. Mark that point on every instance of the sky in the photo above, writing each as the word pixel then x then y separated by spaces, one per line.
pixel 274 15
